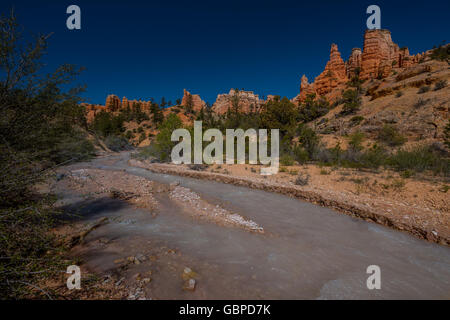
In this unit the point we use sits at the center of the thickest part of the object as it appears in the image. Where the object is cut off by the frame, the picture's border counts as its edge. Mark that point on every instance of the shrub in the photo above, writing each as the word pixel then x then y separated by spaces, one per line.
pixel 374 157
pixel 447 134
pixel 198 167
pixel 423 89
pixel 420 159
pixel 148 153
pixel 73 147
pixel 441 53
pixel 107 124
pixel 300 154
pixel 420 103
pixel 129 135
pixel 142 137
pixel 354 121
pixel 352 102
pixel 302 179
pixel 39 129
pixel 313 108
pixel 390 136
pixel 163 143
pixel 356 140
pixel 406 174
pixel 309 139
pixel 286 160
pixel 440 85
pixel 117 143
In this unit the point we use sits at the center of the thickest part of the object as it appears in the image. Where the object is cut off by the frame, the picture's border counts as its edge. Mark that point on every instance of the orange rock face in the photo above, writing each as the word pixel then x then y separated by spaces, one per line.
pixel 378 55
pixel 333 77
pixel 197 102
pixel 334 74
pixel 354 63
pixel 112 103
pixel 247 101
pixel 305 89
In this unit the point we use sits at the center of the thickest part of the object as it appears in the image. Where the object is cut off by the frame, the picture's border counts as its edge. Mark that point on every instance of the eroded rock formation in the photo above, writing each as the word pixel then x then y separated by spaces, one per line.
pixel 353 65
pixel 333 75
pixel 192 100
pixel 246 101
pixel 379 57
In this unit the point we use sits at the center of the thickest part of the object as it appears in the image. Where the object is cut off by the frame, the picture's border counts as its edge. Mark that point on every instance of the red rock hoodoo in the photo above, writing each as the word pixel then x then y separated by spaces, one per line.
pixel 380 55
pixel 197 102
pixel 247 101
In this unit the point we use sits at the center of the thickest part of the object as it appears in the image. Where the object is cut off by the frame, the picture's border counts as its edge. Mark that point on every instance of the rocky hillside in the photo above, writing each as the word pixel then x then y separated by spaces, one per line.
pixel 414 101
pixel 379 57
pixel 392 87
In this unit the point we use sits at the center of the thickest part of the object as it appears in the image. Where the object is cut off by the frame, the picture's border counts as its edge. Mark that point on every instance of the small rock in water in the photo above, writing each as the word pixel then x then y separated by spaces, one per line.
pixel 146 280
pixel 188 273
pixel 119 282
pixel 189 285
pixel 139 258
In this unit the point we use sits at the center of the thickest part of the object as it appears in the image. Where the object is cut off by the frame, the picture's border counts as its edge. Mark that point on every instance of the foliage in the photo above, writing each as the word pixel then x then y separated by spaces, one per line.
pixel 107 124
pixel 286 160
pixel 302 179
pixel 441 53
pixel 447 134
pixel 354 121
pixel 189 105
pixel 356 140
pixel 313 108
pixel 390 136
pixel 117 143
pixel 40 128
pixel 279 114
pixel 420 159
pixel 441 84
pixel 352 102
pixel 157 114
pixel 423 89
pixel 163 145
pixel 308 139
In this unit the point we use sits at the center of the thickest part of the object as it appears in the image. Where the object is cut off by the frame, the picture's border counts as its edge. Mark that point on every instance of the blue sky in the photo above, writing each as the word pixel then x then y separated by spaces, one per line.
pixel 143 49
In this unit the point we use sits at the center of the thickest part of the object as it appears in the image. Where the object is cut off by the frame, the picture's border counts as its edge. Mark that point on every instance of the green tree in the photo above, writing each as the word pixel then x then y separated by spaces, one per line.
pixel 163 142
pixel 352 102
pixel 40 127
pixel 189 104
pixel 107 124
pixel 156 113
pixel 308 139
pixel 163 102
pixel 279 114
pixel 313 108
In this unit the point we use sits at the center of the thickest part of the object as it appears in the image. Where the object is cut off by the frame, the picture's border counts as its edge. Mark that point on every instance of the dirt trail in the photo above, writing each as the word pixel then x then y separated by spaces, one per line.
pixel 305 252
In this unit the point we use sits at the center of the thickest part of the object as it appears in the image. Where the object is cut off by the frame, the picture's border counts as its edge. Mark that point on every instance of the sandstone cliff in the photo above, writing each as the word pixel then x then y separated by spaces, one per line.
pixel 379 58
pixel 193 100
pixel 246 100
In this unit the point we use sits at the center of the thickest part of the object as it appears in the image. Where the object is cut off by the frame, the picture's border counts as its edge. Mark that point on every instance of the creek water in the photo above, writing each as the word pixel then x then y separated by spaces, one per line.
pixel 307 252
